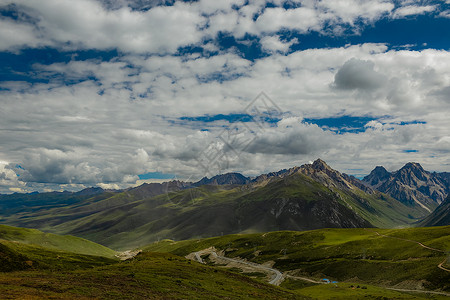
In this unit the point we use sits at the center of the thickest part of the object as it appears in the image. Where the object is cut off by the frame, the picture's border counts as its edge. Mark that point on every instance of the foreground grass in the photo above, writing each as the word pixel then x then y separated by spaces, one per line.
pixel 349 290
pixel 148 276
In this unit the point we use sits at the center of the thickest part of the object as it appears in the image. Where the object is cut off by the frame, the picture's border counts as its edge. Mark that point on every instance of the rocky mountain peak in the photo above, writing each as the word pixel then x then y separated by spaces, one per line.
pixel 410 169
pixel 380 170
pixel 320 165
pixel 377 176
pixel 413 167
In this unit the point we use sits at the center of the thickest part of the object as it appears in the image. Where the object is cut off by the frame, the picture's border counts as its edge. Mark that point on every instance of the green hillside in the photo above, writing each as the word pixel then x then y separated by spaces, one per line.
pixel 363 256
pixel 15 256
pixel 53 241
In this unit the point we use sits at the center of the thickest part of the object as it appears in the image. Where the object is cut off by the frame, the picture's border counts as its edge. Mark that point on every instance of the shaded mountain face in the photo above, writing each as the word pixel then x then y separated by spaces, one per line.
pixel 411 185
pixel 148 190
pixel 439 217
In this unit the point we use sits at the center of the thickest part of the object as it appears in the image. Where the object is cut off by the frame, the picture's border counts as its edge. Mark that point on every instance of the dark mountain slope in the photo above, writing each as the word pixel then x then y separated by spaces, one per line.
pixel 439 217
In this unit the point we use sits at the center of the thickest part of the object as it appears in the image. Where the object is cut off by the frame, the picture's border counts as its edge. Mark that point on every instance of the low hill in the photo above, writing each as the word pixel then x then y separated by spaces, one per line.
pixel 53 241
pixel 31 249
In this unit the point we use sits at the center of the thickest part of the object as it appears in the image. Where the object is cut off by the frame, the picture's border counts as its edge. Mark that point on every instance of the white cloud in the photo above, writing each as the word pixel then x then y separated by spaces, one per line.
pixel 8 178
pixel 413 10
pixel 274 44
pixel 445 14
pixel 87 24
pixel 15 35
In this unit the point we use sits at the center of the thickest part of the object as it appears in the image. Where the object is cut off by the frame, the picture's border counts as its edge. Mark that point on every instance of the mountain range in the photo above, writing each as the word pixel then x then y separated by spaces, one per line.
pixel 411 185
pixel 311 196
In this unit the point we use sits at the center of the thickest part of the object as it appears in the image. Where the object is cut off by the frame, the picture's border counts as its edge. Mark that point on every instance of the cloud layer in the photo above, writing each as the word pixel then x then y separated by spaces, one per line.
pixel 89 118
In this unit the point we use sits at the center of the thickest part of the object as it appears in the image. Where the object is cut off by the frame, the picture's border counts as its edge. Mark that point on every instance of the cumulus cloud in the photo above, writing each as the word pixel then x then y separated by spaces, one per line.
pixel 292 137
pixel 9 178
pixel 358 74
pixel 87 24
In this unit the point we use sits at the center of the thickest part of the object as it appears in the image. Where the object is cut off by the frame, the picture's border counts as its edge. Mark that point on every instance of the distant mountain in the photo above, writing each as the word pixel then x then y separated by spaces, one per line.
pixel 439 217
pixel 224 179
pixel 90 191
pixel 148 190
pixel 411 185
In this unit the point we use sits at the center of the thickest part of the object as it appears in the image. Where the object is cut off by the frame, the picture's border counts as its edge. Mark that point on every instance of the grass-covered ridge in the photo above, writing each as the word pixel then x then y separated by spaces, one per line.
pixel 53 241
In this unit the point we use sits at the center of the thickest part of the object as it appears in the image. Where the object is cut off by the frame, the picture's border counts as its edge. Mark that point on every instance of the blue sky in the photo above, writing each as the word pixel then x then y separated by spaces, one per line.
pixel 114 93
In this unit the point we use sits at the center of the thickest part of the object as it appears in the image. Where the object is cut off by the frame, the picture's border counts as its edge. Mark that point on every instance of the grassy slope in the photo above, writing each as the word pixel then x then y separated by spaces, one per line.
pixel 15 256
pixel 357 255
pixel 53 241
pixel 149 276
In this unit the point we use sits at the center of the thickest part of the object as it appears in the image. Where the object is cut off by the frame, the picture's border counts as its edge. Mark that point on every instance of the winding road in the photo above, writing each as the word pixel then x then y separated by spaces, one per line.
pixel 277 276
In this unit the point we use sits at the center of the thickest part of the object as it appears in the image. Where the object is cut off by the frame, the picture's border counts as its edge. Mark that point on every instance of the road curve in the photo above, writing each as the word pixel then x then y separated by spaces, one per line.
pixel 276 279
pixel 440 266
